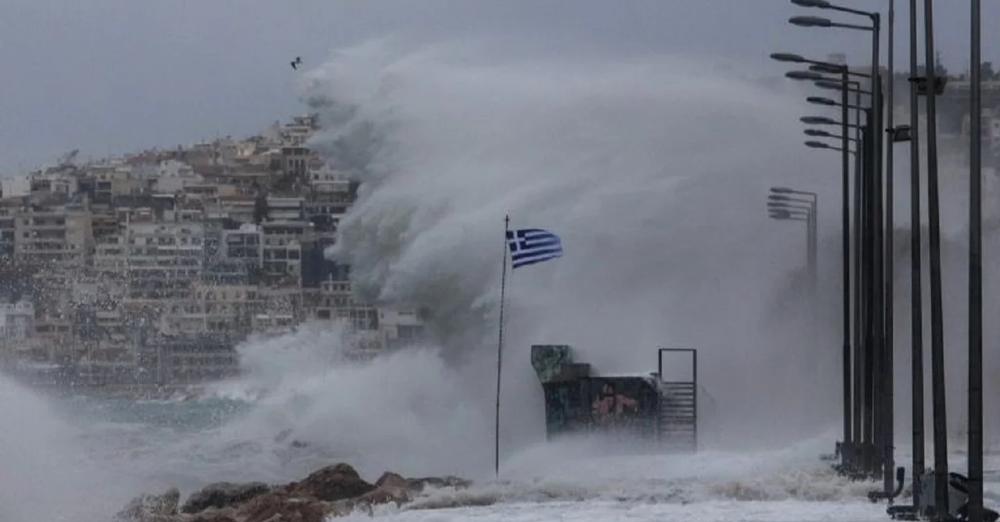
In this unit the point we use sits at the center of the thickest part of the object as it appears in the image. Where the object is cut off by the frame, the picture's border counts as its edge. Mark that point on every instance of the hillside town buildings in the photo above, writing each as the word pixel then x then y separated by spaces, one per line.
pixel 151 268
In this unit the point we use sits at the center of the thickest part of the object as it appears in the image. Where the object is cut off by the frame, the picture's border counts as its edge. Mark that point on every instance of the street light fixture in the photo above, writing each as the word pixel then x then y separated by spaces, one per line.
pixel 805 75
pixel 789 57
pixel 902 133
pixel 787 190
pixel 832 85
pixel 781 215
pixel 823 145
pixel 817 120
pixel 810 21
pixel 835 69
pixel 817 133
pixel 792 210
pixel 822 4
pixel 819 100
pixel 790 206
pixel 782 197
pixel 805 209
pixel 815 21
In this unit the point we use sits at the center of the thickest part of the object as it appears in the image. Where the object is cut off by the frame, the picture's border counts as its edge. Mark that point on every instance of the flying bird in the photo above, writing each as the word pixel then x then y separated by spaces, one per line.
pixel 296 62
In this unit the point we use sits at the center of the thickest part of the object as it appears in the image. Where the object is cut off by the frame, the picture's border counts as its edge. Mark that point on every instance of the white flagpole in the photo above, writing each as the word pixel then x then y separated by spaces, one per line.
pixel 503 287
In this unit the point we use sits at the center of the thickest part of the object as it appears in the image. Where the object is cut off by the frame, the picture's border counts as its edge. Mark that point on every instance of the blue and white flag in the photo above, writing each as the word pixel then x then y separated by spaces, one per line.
pixel 532 245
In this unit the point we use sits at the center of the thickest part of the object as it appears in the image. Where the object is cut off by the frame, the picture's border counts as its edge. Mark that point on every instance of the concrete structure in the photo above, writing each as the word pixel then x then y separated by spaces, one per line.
pixel 46 236
pixel 17 321
pixel 173 176
pixel 639 410
pixel 163 259
pixel 282 244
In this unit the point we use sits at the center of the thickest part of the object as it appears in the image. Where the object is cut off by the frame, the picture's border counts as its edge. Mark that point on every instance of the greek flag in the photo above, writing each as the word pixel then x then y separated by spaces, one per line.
pixel 532 245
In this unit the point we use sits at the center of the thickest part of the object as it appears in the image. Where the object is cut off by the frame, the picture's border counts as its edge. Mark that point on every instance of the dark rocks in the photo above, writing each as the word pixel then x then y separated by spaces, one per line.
pixel 214 517
pixel 281 507
pixel 390 487
pixel 223 494
pixel 332 491
pixel 151 508
pixel 418 484
pixel 332 483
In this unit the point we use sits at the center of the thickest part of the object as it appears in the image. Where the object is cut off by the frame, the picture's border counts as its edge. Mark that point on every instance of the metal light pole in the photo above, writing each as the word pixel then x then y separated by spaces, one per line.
pixel 889 464
pixel 782 197
pixel 975 506
pixel 937 314
pixel 916 298
pixel 848 443
pixel 860 424
pixel 878 291
pixel 846 252
pixel 784 211
pixel 847 452
pixel 866 366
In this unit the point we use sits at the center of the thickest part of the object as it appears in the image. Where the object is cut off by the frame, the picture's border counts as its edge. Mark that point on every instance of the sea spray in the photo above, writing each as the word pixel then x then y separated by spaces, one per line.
pixel 655 173
pixel 45 474
pixel 406 411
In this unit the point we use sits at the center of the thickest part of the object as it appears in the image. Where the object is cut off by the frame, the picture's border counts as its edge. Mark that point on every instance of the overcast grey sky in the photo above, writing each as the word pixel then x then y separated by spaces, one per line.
pixel 113 76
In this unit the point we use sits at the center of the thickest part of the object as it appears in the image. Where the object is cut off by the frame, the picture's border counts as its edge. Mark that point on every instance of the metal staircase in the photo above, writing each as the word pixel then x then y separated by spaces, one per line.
pixel 677 425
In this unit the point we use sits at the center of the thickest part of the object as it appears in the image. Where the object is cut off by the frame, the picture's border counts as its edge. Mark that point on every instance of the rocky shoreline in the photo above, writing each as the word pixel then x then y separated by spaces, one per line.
pixel 332 491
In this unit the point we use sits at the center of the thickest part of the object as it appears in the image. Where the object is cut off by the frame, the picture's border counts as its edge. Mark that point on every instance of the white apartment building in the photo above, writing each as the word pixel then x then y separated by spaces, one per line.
pixel 163 259
pixel 17 321
pixel 284 208
pixel 327 180
pixel 56 235
pixel 244 245
pixel 172 176
pixel 282 250
pixel 56 182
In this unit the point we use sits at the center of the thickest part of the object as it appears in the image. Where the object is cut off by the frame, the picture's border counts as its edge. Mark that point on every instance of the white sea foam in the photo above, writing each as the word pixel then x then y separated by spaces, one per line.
pixel 44 472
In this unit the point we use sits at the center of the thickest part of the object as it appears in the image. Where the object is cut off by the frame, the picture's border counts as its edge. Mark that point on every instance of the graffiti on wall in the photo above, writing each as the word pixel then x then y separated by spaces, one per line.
pixel 548 360
pixel 610 406
pixel 590 404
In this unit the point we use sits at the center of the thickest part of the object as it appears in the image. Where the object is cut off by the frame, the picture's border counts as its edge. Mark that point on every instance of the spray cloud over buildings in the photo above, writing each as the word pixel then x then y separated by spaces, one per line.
pixel 653 170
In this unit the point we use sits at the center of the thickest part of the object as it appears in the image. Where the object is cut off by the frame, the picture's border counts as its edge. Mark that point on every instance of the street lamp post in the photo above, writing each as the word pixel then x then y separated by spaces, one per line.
pixel 888 439
pixel 937 314
pixel 782 198
pixel 852 438
pixel 916 298
pixel 847 456
pixel 975 505
pixel 861 408
pixel 784 211
pixel 847 453
pixel 867 301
